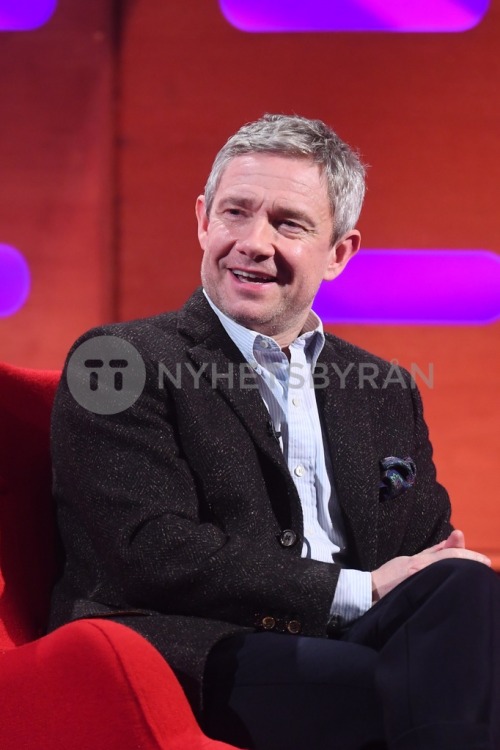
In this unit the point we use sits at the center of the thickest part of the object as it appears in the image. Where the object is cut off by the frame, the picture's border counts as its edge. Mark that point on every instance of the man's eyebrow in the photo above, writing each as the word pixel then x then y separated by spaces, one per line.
pixel 236 200
pixel 295 214
pixel 279 210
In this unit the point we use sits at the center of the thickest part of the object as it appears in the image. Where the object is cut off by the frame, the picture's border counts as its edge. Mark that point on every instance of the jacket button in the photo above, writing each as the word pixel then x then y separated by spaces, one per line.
pixel 294 627
pixel 268 622
pixel 288 538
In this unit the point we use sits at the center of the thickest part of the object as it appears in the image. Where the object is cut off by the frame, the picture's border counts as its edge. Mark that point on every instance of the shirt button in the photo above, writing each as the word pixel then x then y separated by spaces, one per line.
pixel 264 344
pixel 294 627
pixel 299 471
pixel 295 401
pixel 288 538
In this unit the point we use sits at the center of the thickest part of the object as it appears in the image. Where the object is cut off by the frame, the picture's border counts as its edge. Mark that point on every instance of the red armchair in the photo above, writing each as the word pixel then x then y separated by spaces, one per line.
pixel 92 683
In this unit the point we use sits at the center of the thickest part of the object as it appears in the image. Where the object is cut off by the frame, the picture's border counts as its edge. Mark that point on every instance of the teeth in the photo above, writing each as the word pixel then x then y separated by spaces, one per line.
pixel 252 276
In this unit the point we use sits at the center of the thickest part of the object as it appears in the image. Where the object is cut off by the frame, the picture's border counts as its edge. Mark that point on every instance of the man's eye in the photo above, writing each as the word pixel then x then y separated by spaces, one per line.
pixel 290 224
pixel 234 211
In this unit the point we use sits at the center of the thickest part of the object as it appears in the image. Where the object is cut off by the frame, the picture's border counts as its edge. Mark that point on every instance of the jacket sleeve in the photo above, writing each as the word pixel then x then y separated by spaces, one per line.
pixel 432 508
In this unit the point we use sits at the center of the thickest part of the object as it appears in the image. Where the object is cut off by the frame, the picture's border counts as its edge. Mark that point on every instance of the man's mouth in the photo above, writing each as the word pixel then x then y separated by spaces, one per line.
pixel 253 278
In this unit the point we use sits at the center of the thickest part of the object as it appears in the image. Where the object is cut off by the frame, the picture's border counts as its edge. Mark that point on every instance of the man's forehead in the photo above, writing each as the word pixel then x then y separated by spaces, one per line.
pixel 288 172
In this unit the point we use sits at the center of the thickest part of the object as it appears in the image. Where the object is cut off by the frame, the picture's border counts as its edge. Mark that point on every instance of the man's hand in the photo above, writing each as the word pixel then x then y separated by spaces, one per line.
pixel 387 577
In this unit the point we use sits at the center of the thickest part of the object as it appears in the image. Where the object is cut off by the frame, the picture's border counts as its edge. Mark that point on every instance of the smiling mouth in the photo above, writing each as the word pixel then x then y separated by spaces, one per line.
pixel 253 278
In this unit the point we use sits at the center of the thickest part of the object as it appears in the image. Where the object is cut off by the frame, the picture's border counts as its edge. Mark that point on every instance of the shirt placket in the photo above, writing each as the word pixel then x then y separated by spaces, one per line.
pixel 301 457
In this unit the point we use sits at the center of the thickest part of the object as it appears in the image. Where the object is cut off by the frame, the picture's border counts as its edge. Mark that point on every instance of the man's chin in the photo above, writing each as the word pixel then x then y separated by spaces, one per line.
pixel 253 319
pixel 254 322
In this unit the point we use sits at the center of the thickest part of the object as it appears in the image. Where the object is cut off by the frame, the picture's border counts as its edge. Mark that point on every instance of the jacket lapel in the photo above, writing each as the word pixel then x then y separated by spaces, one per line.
pixel 224 367
pixel 347 422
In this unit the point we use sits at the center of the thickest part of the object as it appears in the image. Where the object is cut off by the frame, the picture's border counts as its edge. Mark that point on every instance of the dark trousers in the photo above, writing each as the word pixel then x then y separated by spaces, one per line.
pixel 419 671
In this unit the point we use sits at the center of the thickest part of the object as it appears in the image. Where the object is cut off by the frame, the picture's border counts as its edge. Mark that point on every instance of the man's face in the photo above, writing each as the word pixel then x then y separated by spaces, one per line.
pixel 267 243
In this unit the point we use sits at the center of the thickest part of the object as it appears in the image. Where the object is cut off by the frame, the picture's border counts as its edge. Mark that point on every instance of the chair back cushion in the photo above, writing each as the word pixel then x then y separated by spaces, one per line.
pixel 28 558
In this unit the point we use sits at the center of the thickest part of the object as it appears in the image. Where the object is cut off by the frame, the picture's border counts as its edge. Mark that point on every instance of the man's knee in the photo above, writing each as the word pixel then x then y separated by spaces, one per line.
pixel 464 572
pixel 453 588
pixel 453 584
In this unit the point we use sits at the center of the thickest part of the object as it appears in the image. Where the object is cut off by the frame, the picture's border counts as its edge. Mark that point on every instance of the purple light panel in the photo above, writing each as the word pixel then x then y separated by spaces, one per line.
pixel 421 287
pixel 14 280
pixel 354 15
pixel 24 15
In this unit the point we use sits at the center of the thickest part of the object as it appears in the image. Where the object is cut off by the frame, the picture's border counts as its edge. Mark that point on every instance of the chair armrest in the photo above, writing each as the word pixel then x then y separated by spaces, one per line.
pixel 98 684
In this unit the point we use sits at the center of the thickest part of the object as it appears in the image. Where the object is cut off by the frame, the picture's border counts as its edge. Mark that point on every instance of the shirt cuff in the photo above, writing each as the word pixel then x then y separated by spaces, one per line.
pixel 353 595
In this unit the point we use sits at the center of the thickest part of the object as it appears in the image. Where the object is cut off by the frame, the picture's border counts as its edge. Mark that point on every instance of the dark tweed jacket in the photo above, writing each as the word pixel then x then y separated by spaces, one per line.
pixel 171 512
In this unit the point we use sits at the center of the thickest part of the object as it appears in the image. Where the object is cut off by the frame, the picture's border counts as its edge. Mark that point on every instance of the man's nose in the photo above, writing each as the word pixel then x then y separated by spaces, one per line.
pixel 257 238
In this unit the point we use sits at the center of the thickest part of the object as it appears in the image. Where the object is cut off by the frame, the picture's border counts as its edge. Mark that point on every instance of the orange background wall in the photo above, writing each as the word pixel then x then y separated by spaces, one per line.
pixel 112 113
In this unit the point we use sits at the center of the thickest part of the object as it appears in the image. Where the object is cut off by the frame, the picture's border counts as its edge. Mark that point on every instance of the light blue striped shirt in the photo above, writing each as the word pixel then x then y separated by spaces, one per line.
pixel 286 387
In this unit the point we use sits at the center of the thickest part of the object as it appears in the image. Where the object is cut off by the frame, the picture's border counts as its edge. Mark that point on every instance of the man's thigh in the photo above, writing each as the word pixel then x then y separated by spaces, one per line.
pixel 269 691
pixel 438 639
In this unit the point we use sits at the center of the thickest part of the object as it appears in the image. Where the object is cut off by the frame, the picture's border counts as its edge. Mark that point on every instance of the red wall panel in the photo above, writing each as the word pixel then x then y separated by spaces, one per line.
pixel 56 164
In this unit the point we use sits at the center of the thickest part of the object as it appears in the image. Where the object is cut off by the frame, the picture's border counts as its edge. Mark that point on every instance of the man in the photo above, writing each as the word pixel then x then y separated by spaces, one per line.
pixel 274 529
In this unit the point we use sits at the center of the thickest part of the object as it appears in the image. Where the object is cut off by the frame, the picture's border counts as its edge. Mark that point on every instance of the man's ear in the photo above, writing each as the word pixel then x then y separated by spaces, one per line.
pixel 201 215
pixel 341 253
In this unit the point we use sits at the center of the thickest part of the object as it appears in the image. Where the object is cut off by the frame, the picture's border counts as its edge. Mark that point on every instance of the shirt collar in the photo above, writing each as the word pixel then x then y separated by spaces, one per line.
pixel 247 341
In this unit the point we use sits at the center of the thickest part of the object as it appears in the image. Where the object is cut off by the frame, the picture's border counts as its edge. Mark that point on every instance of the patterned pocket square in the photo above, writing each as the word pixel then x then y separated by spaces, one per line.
pixel 397 476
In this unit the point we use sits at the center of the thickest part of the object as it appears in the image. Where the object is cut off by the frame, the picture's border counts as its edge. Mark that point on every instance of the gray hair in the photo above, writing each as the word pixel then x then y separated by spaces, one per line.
pixel 294 136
